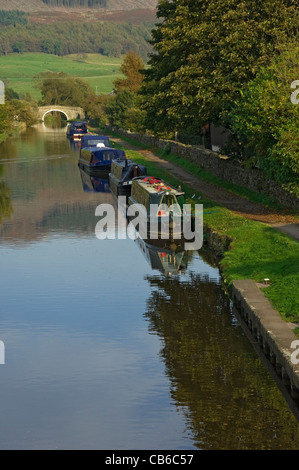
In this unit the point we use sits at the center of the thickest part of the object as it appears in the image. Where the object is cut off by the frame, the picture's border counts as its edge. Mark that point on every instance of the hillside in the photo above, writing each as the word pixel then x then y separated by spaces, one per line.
pixel 112 5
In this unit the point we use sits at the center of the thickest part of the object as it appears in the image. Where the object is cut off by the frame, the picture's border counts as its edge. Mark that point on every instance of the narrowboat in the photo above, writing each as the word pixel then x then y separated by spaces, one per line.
pixel 92 140
pixel 122 174
pixel 160 205
pixel 76 129
pixel 97 160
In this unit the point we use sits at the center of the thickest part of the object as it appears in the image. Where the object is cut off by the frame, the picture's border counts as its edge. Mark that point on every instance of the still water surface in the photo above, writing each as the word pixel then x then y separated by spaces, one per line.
pixel 103 348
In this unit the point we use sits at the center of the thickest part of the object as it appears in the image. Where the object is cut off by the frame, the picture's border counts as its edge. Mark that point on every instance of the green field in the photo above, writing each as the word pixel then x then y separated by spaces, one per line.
pixel 18 70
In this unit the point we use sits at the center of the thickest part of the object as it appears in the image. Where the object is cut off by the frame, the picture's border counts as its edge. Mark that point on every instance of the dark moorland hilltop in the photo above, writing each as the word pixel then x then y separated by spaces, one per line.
pixel 48 5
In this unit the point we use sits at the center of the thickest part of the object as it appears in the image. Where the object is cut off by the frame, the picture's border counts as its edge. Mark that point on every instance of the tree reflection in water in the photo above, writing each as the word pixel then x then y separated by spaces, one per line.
pixel 6 209
pixel 216 378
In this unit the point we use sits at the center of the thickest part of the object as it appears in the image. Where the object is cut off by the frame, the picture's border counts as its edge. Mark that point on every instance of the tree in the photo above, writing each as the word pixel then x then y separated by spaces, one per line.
pixel 131 67
pixel 18 46
pixel 60 88
pixel 5 46
pixel 11 94
pixel 96 108
pixel 5 120
pixel 118 107
pixel 264 121
pixel 123 109
pixel 13 17
pixel 204 55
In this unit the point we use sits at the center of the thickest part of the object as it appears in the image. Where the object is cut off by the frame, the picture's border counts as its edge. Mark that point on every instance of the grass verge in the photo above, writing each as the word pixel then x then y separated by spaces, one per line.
pixel 257 251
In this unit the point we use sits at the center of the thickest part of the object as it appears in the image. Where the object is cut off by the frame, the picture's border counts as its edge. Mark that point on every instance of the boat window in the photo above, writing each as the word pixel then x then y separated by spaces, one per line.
pixel 94 158
pixel 107 156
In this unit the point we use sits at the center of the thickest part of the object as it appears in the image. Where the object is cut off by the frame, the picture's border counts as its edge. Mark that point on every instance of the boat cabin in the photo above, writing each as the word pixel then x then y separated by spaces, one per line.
pixel 122 174
pixel 76 129
pixel 151 190
pixel 95 140
pixel 98 159
pixel 160 207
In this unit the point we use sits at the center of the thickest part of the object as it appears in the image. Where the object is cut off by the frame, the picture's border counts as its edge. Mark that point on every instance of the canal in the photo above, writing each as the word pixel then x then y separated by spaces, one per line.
pixel 115 344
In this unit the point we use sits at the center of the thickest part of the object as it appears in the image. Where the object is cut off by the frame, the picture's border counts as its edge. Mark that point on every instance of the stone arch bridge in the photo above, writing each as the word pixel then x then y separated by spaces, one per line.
pixel 71 113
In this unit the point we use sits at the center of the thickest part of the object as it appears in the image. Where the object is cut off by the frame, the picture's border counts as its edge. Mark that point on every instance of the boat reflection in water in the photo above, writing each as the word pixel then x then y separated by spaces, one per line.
pixel 93 183
pixel 167 256
pixel 75 144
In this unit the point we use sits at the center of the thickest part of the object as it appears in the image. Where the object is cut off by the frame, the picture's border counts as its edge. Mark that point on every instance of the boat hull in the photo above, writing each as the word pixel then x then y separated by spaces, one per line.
pixel 95 170
pixel 118 188
pixel 157 227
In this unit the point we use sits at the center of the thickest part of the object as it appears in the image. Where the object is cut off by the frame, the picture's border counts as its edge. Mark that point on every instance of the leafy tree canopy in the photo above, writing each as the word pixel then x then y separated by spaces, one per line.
pixel 204 55
pixel 13 17
pixel 264 121
pixel 60 88
pixel 131 67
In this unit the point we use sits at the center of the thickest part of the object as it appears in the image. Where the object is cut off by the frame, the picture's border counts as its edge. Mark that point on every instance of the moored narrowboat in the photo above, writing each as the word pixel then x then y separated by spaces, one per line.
pixel 76 129
pixel 159 205
pixel 97 160
pixel 122 174
pixel 92 140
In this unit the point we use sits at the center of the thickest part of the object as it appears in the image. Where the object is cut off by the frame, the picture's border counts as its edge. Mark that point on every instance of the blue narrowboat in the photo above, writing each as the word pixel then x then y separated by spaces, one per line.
pixel 92 140
pixel 98 160
pixel 76 129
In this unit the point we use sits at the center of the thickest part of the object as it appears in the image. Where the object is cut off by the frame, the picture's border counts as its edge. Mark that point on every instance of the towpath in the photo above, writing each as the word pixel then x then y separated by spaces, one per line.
pixel 288 224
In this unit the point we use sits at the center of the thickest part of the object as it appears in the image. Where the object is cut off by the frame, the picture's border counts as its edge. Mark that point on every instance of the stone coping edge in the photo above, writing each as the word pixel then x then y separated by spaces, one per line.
pixel 274 335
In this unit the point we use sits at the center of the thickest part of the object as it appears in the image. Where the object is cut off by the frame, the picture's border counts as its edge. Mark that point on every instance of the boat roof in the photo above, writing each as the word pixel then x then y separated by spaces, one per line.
pixel 153 185
pixel 96 148
pixel 123 162
pixel 95 137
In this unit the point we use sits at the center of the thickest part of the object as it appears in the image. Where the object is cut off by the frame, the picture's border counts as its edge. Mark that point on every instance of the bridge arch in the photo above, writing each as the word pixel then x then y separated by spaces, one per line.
pixel 71 112
pixel 57 110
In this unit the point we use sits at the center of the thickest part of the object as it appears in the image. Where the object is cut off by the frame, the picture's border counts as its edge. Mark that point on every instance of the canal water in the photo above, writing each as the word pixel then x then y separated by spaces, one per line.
pixel 115 344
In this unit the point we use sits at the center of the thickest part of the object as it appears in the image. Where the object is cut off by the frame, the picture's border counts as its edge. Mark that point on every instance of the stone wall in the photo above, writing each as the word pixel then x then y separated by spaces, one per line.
pixel 221 167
